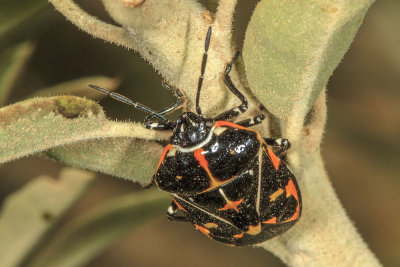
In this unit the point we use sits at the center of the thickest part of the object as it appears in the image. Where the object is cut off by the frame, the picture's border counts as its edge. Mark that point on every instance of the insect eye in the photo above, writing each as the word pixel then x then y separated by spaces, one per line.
pixel 239 149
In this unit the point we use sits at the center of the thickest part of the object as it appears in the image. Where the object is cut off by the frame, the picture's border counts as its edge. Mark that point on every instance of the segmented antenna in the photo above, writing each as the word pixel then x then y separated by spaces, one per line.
pixel 126 100
pixel 203 68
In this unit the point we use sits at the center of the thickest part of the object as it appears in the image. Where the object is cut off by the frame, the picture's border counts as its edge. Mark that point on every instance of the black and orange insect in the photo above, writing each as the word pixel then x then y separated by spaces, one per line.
pixel 223 177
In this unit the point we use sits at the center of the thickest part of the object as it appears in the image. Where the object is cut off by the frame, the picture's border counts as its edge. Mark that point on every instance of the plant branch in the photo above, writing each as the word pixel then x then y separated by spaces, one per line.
pixel 92 25
pixel 224 17
pixel 312 133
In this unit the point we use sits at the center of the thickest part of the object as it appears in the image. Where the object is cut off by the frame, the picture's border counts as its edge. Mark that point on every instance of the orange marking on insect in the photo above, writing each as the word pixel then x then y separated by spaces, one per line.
pixel 203 230
pixel 232 205
pixel 211 225
pixel 295 215
pixel 274 159
pixel 163 155
pixel 239 235
pixel 291 190
pixel 214 182
pixel 254 229
pixel 230 124
pixel 271 221
pixel 276 194
pixel 178 205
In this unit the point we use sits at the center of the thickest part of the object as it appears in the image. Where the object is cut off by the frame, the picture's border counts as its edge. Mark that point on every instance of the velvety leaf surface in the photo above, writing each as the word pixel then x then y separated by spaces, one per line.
pixel 28 215
pixel 79 87
pixel 130 158
pixel 292 47
pixel 55 123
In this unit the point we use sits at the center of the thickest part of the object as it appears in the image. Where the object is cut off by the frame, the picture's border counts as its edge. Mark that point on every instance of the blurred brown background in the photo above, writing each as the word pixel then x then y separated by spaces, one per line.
pixel 361 145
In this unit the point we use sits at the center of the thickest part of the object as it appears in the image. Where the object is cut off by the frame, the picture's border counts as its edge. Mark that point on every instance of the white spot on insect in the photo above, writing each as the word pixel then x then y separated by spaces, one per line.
pixel 251 172
pixel 191 199
pixel 172 152
pixel 214 147
pixel 153 125
pixel 278 141
pixel 237 110
pixel 239 149
pixel 182 128
pixel 258 119
pixel 223 194
pixel 219 130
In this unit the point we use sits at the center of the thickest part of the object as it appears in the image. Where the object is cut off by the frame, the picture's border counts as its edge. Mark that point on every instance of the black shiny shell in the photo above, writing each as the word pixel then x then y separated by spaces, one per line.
pixel 232 187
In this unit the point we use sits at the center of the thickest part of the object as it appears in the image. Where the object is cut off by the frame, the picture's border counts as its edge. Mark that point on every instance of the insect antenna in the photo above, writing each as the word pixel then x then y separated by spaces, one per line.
pixel 126 100
pixel 203 68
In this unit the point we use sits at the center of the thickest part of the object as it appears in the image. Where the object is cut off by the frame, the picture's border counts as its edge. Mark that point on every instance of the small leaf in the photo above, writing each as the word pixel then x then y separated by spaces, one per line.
pixel 79 87
pixel 28 215
pixel 11 15
pixel 292 47
pixel 84 238
pixel 128 158
pixel 55 123
pixel 12 61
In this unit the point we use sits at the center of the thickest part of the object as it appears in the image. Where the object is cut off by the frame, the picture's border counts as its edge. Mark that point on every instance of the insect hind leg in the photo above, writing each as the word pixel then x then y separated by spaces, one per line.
pixel 281 144
pixel 172 214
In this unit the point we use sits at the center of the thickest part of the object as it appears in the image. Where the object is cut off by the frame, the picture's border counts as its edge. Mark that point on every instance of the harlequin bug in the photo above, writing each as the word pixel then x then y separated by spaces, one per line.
pixel 223 177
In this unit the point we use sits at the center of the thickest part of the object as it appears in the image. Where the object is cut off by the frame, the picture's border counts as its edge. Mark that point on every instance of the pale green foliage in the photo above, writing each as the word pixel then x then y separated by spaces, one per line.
pixel 75 130
pixel 292 47
pixel 29 214
pixel 79 87
pixel 82 239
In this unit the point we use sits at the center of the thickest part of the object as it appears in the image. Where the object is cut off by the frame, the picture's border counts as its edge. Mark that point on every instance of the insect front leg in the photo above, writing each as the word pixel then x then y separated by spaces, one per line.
pixel 150 124
pixel 234 112
pixel 180 101
pixel 252 121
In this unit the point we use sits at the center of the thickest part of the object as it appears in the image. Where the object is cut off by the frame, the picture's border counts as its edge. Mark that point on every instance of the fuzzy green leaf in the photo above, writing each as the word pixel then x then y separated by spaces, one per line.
pixel 85 237
pixel 30 213
pixel 292 47
pixel 79 87
pixel 129 158
pixel 12 61
pixel 76 131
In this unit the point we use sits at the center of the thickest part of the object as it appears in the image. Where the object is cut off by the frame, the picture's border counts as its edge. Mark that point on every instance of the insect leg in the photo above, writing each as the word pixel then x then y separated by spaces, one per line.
pixel 252 121
pixel 178 104
pixel 171 214
pixel 282 144
pixel 234 112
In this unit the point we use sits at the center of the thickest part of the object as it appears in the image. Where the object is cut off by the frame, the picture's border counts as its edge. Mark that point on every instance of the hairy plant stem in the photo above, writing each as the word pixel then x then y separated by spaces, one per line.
pixel 170 35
